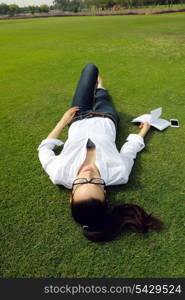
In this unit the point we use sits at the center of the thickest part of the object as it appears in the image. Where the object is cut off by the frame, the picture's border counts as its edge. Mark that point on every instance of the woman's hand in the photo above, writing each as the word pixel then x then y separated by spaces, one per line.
pixel 66 119
pixel 145 125
pixel 69 114
pixel 144 128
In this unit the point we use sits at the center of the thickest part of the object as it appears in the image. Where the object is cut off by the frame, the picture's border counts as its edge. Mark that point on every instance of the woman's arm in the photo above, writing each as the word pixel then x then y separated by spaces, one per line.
pixel 46 153
pixel 66 119
pixel 134 144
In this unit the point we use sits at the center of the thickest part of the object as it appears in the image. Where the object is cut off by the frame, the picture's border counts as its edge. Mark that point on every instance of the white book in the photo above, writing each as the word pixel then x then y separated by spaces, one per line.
pixel 153 119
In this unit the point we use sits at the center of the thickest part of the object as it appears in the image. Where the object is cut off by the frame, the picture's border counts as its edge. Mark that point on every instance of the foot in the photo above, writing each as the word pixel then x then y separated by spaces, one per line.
pixel 100 83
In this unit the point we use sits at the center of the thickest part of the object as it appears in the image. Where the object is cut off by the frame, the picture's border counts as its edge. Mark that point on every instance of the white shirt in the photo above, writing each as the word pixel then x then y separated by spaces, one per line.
pixel 114 166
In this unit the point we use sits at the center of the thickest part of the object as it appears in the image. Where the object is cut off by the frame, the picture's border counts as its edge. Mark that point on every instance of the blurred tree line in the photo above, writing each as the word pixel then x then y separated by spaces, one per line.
pixel 84 5
pixel 14 9
pixel 81 5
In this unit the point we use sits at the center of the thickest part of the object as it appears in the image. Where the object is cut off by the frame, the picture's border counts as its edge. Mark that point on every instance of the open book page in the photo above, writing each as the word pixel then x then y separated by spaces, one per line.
pixel 142 119
pixel 155 114
pixel 160 124
pixel 153 119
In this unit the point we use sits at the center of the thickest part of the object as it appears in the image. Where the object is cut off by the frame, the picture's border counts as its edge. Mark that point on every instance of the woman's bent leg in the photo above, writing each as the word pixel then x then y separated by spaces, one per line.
pixel 84 94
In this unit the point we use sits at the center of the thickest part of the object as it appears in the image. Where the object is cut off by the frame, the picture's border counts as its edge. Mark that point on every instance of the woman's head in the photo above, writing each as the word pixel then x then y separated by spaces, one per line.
pixel 89 208
pixel 88 201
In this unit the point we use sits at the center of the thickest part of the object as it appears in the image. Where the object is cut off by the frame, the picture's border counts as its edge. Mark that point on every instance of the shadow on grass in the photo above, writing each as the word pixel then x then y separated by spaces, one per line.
pixel 134 178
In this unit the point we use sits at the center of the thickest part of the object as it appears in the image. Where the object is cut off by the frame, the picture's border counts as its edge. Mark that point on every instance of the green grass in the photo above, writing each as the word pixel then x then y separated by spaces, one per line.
pixel 141 59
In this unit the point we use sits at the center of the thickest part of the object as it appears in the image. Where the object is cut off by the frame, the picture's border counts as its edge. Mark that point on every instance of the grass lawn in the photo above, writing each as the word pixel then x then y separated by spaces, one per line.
pixel 141 59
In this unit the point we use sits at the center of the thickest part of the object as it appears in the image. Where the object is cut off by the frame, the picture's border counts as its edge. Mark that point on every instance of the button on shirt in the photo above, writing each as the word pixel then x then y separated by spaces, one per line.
pixel 114 166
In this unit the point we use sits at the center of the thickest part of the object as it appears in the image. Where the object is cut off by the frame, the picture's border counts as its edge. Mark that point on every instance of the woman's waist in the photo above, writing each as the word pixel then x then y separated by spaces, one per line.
pixel 93 114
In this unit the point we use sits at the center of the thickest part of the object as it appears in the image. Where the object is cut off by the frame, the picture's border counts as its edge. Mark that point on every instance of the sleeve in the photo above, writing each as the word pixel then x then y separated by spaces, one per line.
pixel 46 153
pixel 128 152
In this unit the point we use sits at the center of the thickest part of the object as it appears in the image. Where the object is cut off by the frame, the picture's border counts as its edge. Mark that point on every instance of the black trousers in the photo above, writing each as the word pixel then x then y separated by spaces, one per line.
pixel 93 102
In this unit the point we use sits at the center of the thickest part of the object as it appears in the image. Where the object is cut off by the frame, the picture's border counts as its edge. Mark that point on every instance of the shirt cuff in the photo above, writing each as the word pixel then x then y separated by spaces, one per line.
pixel 50 143
pixel 137 139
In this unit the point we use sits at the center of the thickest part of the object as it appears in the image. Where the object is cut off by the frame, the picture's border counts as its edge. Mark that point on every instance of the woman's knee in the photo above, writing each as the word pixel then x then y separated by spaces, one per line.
pixel 90 67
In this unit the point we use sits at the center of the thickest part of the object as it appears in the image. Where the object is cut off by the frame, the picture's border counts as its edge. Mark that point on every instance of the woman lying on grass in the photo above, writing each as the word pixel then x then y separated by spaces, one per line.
pixel 90 161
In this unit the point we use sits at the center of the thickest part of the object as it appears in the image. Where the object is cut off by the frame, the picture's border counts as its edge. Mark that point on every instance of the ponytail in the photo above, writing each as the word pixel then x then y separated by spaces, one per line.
pixel 102 225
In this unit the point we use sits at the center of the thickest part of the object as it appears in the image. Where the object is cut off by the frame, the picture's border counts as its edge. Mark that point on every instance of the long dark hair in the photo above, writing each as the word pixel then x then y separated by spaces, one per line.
pixel 100 224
